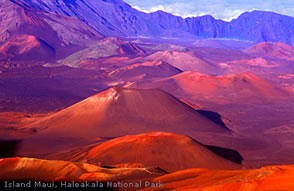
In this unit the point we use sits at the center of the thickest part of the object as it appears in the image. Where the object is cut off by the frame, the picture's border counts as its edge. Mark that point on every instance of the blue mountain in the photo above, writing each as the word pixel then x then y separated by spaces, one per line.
pixel 117 18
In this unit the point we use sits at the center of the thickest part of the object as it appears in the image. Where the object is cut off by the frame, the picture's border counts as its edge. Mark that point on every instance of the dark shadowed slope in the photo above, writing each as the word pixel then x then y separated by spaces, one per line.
pixel 8 148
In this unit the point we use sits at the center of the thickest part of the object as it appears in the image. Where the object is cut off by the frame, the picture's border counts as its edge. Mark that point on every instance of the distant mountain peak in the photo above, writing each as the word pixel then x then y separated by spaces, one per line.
pixel 117 18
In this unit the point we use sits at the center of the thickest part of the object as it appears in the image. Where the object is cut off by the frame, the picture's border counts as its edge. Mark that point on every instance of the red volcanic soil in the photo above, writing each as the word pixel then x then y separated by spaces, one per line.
pixel 11 121
pixel 26 47
pixel 14 119
pixel 260 62
pixel 185 61
pixel 269 68
pixel 167 151
pixel 141 71
pixel 273 50
pixel 57 170
pixel 117 112
pixel 236 88
pixel 270 178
